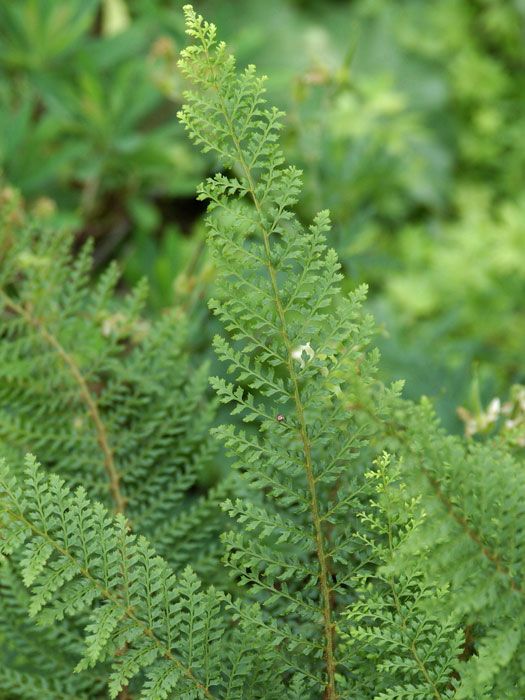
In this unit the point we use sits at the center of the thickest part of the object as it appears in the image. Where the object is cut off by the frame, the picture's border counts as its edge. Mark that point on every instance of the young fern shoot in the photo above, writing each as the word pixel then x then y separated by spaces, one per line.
pixel 295 343
pixel 399 635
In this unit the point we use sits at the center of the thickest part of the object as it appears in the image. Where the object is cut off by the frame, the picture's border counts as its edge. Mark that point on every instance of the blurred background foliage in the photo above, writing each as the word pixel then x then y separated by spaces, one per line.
pixel 407 117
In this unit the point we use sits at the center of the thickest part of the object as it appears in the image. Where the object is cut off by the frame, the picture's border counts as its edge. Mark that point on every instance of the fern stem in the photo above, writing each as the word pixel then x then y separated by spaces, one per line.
pixel 326 597
pixel 105 593
pixel 91 405
pixel 330 693
pixel 492 557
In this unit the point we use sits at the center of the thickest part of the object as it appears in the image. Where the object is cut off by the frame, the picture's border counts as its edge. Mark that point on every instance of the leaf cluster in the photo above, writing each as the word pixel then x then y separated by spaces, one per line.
pixel 371 555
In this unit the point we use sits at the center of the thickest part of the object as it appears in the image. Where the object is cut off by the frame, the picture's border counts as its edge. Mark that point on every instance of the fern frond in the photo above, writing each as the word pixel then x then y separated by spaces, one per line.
pixel 110 400
pixel 164 631
pixel 295 343
pixel 405 645
pixel 35 662
pixel 43 299
pixel 473 540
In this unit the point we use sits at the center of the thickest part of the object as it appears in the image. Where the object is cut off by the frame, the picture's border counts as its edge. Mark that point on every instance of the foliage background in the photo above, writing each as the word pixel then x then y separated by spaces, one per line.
pixel 408 119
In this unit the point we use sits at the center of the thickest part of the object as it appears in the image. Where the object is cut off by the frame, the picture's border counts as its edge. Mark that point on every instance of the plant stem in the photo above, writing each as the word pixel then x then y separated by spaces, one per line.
pixel 325 591
pixel 91 405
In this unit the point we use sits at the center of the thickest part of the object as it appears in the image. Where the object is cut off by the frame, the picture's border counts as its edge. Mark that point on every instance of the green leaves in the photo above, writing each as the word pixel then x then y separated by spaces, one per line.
pixel 295 344
pixel 403 582
pixel 104 620
pixel 397 628
pixel 143 617
pixel 472 540
pixel 107 397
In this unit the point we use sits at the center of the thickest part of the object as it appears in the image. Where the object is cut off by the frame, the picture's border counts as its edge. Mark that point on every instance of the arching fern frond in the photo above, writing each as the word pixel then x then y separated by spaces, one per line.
pixel 57 342
pixel 109 399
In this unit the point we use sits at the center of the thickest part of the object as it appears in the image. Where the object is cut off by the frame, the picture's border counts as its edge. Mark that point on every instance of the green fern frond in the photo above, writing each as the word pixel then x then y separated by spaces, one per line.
pixel 35 662
pixel 109 399
pixel 295 344
pixel 165 631
pixel 473 542
pixel 48 321
pixel 406 647
pixel 401 582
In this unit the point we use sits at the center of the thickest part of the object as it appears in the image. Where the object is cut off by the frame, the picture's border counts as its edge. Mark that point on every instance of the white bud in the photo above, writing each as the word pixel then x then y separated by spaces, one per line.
pixel 307 350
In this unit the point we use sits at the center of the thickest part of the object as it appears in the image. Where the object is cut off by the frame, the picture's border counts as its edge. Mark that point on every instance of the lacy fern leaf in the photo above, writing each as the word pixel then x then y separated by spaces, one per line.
pixel 401 644
pixel 36 661
pixel 400 582
pixel 294 343
pixel 473 542
pixel 109 399
pixel 165 631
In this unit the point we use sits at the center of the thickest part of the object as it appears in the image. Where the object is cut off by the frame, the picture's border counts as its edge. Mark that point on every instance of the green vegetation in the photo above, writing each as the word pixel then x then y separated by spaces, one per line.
pixel 407 120
pixel 232 494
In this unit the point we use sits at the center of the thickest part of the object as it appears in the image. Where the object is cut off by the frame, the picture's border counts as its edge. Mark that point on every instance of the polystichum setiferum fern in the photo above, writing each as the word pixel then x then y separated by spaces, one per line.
pixel 295 345
pixel 295 348
pixel 109 400
pixel 293 340
pixel 398 581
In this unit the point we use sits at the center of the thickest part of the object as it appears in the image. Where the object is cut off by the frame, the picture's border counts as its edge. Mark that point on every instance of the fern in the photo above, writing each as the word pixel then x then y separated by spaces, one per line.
pixel 109 399
pixel 163 629
pixel 473 541
pixel 401 581
pixel 402 644
pixel 294 345
pixel 37 662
